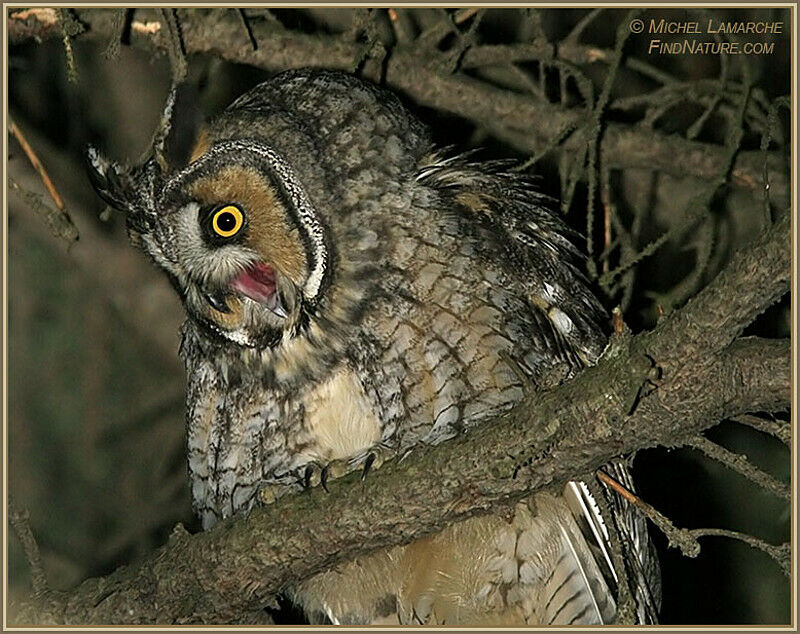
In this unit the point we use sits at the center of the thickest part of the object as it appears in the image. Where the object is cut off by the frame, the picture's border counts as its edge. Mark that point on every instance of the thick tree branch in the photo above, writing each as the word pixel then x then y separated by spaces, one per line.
pixel 661 387
pixel 751 366
pixel 421 75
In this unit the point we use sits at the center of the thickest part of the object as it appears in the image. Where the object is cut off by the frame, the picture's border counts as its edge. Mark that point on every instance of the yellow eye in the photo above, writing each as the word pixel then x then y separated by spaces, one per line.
pixel 227 221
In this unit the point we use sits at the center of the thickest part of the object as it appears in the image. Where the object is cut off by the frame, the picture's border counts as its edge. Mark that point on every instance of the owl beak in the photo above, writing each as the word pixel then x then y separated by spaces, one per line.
pixel 261 283
pixel 279 309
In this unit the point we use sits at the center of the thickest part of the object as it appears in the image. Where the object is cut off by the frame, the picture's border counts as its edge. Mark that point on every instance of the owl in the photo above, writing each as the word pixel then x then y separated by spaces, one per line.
pixel 352 293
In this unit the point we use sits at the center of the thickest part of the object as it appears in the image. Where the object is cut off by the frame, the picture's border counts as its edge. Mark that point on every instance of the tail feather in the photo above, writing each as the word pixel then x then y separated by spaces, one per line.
pixel 575 592
pixel 642 562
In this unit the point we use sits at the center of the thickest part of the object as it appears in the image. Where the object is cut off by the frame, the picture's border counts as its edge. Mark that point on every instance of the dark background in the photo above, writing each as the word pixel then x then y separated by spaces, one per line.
pixel 95 432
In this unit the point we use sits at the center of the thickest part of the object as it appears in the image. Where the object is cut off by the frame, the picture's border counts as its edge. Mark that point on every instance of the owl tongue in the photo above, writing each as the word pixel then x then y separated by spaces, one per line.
pixel 256 282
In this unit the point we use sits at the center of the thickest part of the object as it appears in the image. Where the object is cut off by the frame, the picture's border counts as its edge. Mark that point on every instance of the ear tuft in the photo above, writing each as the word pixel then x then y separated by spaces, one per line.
pixel 106 180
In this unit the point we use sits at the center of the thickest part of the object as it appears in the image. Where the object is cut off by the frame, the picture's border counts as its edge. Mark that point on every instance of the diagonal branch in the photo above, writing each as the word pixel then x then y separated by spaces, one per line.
pixel 628 401
pixel 742 465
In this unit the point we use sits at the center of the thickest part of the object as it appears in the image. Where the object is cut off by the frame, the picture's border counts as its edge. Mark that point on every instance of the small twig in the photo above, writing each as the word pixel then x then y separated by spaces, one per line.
pixel 248 28
pixel 571 173
pixel 698 206
pixel 691 217
pixel 573 51
pixel 605 254
pixel 559 139
pixel 629 241
pixel 766 137
pixel 37 165
pixel 608 211
pixel 117 33
pixel 445 25
pixel 698 125
pixel 780 430
pixel 465 41
pixel 704 238
pixel 677 537
pixel 703 244
pixel 400 25
pixel 576 32
pixel 781 554
pixel 60 223
pixel 20 522
pixel 530 27
pixel 69 28
pixel 623 33
pixel 462 15
pixel 742 465
pixel 436 30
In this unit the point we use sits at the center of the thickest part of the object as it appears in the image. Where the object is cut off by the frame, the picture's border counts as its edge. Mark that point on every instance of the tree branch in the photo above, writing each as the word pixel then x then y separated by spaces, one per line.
pixel 742 465
pixel 661 387
pixel 527 124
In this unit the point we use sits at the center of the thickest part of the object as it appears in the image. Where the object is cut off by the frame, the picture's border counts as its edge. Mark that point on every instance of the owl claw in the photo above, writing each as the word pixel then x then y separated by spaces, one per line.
pixel 332 470
pixel 367 465
pixel 375 458
pixel 323 479
pixel 312 475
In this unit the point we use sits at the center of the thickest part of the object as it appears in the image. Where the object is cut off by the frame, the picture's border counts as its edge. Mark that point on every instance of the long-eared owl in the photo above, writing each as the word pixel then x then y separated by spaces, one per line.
pixel 350 292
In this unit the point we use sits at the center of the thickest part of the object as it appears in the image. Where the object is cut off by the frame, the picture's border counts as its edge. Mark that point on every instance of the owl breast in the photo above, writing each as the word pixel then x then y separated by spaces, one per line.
pixel 243 434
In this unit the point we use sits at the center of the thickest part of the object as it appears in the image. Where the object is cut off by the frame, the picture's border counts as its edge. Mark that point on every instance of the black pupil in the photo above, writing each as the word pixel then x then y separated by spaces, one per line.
pixel 226 221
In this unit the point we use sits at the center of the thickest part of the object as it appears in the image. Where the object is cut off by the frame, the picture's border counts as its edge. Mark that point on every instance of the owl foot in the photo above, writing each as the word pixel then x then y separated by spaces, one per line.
pixel 313 474
pixel 316 474
pixel 375 457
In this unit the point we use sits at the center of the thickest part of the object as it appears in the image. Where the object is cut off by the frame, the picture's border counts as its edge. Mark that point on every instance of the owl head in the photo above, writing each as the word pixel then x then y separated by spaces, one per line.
pixel 236 233
pixel 263 232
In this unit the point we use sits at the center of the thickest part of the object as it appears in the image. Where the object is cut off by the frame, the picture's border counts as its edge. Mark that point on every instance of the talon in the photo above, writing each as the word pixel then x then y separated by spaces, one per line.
pixel 307 476
pixel 323 479
pixel 367 465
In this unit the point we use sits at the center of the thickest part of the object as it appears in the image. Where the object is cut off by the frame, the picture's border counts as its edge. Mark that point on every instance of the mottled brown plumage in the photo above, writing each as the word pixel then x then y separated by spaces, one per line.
pixel 351 291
